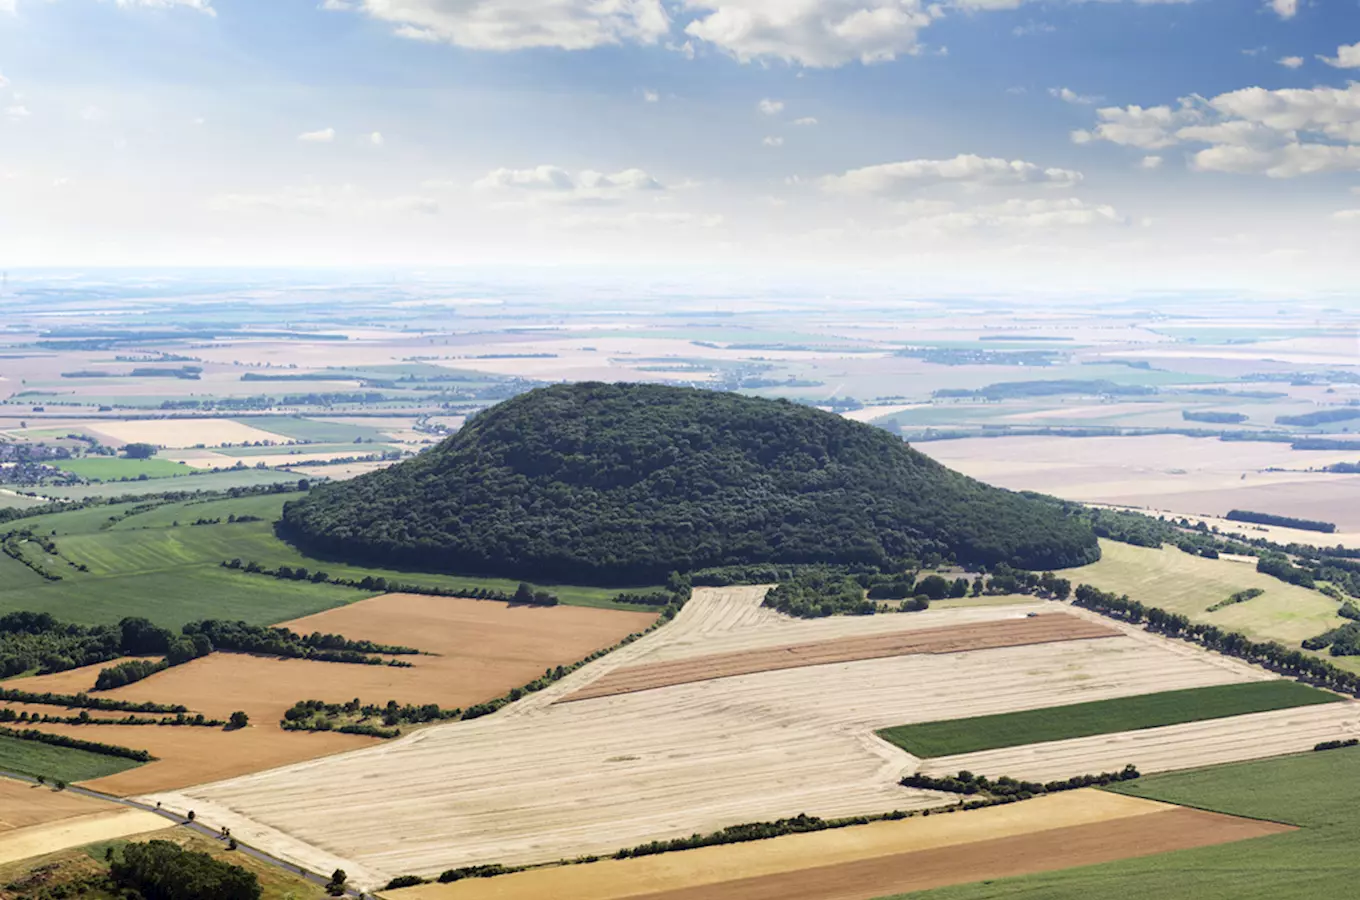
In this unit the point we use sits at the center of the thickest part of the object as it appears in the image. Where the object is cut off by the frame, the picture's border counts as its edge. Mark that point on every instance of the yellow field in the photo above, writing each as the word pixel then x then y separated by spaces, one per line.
pixel 101 826
pixel 179 433
pixel 1179 582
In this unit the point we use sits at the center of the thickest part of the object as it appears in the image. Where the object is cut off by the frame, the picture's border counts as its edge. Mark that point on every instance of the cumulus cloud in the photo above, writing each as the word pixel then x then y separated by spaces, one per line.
pixel 770 141
pixel 890 179
pixel 321 200
pixel 324 136
pixel 552 184
pixel 770 107
pixel 635 220
pixel 1150 162
pixel 814 33
pixel 1347 215
pixel 1281 134
pixel 4 82
pixel 805 122
pixel 376 139
pixel 1285 9
pixel 1067 95
pixel 651 96
pixel 519 24
pixel 1347 57
pixel 17 111
pixel 1290 62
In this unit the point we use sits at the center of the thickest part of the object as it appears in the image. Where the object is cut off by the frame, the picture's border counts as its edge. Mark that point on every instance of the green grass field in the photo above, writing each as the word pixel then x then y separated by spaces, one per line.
pixel 64 763
pixel 209 481
pixel 300 429
pixel 1179 582
pixel 347 448
pixel 103 468
pixel 144 565
pixel 1319 792
pixel 1033 726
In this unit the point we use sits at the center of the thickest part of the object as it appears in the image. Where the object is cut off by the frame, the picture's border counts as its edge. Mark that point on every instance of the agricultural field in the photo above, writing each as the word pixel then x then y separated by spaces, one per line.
pixel 1179 582
pixel 759 745
pixel 315 430
pixel 1036 726
pixel 1053 832
pixel 33 759
pixel 23 805
pixel 1319 793
pixel 100 468
pixel 181 432
pixel 111 824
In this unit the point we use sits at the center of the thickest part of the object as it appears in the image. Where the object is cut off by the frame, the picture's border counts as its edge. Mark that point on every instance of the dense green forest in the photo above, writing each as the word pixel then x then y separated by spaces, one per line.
pixel 623 483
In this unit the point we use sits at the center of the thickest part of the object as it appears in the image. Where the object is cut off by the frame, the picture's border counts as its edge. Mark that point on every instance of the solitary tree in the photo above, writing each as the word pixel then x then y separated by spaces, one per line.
pixel 139 451
pixel 239 719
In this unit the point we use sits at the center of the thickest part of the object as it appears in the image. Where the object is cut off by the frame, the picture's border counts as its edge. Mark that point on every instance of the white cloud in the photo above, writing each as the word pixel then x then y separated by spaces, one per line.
pixel 805 122
pixel 376 139
pixel 17 111
pixel 1347 57
pixel 1347 215
pixel 1012 216
pixel 93 114
pixel 1067 95
pixel 203 6
pixel 518 24
pixel 770 107
pixel 4 82
pixel 1281 134
pixel 321 200
pixel 815 33
pixel 651 96
pixel 324 136
pixel 770 141
pixel 1150 162
pixel 551 184
pixel 1291 62
pixel 632 221
pixel 1285 9
pixel 894 178
pixel 1029 29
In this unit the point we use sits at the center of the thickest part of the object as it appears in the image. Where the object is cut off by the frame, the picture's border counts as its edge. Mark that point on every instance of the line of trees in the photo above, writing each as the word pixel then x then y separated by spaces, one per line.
pixel 85 701
pixel 1271 654
pixel 1260 518
pixel 61 740
pixel 242 637
pixel 525 593
pixel 84 718
pixel 968 784
pixel 1239 597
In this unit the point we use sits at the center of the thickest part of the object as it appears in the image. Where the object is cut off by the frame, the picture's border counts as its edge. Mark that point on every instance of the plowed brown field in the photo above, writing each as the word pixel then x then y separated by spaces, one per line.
pixel 1041 629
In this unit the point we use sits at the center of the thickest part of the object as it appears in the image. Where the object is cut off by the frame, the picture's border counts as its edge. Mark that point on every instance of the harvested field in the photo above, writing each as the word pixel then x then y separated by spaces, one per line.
pixel 178 433
pixel 980 636
pixel 543 780
pixel 485 648
pixel 188 755
pixel 24 805
pixel 1191 745
pixel 867 861
pixel 99 826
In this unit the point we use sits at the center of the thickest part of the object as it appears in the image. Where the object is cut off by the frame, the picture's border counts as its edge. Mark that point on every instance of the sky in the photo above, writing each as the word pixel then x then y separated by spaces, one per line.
pixel 1106 145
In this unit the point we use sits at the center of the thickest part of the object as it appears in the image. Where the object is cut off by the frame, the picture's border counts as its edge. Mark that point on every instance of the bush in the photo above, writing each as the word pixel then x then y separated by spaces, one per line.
pixel 162 870
pixel 402 881
pixel 238 719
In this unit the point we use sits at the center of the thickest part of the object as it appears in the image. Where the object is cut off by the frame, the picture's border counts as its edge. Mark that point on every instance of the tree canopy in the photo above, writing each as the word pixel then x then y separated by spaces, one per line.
pixel 624 483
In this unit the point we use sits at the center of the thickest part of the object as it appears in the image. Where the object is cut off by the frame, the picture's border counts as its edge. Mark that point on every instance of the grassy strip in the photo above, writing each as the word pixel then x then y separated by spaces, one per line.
pixel 1033 726
pixel 61 740
pixel 64 763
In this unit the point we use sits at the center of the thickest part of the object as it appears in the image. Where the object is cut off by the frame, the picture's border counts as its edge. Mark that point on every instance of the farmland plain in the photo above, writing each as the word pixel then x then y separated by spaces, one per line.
pixel 758 746
pixel 1318 792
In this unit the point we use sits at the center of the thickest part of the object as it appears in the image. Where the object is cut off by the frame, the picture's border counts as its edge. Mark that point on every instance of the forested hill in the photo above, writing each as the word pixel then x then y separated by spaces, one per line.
pixel 623 483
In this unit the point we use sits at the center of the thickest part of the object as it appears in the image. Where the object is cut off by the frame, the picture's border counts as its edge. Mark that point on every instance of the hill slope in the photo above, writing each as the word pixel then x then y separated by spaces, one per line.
pixel 623 483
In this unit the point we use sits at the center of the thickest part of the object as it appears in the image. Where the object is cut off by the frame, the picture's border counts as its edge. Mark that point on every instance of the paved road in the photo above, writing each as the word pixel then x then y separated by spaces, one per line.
pixel 197 826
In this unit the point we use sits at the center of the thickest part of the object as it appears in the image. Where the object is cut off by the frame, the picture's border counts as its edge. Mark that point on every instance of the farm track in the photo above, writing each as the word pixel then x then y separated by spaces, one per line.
pixel 1040 629
pixel 543 780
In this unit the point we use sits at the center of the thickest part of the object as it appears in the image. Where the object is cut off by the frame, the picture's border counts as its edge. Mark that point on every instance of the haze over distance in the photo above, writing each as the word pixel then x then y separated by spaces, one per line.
pixel 679 449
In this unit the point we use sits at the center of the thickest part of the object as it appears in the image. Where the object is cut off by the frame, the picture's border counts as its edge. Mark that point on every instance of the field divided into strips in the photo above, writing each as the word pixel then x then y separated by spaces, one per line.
pixel 1035 726
pixel 206 481
pixel 23 805
pixel 860 862
pixel 542 780
pixel 1317 792
pixel 302 429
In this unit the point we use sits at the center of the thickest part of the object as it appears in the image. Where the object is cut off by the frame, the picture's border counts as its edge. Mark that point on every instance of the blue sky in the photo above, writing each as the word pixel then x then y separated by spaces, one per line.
pixel 987 143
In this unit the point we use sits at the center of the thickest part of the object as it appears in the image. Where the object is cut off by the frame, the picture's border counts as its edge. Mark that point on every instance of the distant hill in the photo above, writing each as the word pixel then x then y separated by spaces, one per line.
pixel 623 483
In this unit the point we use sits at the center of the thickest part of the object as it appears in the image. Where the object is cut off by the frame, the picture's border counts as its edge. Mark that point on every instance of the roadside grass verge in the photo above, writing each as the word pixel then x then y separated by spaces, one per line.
pixel 1319 792
pixel 1034 726
pixel 65 763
